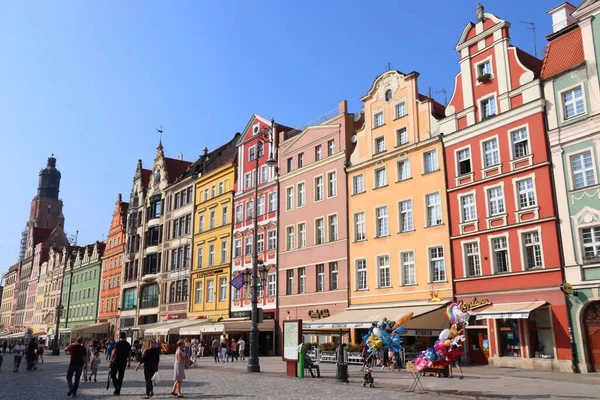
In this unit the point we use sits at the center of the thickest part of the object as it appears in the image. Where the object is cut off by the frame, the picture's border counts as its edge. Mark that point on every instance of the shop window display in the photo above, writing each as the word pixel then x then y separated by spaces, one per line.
pixel 510 338
pixel 540 334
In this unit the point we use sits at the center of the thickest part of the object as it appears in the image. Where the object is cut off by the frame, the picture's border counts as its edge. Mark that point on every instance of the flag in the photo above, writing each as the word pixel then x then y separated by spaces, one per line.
pixel 238 281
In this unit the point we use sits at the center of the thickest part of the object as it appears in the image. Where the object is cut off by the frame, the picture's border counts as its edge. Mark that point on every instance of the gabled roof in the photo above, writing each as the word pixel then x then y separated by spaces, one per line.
pixel 175 168
pixel 215 159
pixel 438 110
pixel 530 62
pixel 564 52
pixel 146 174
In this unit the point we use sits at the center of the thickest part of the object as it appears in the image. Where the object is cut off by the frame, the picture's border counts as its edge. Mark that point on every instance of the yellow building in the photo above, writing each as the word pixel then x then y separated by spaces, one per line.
pixel 400 249
pixel 213 218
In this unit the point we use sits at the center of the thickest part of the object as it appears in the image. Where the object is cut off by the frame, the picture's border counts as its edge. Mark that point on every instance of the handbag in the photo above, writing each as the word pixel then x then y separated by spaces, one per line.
pixel 155 378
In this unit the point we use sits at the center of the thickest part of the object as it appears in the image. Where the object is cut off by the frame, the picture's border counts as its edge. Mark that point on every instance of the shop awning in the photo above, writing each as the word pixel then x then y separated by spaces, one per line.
pixel 170 328
pixel 244 325
pixel 145 327
pixel 509 310
pixel 195 328
pixel 20 335
pixel 102 327
pixel 364 318
pixel 39 333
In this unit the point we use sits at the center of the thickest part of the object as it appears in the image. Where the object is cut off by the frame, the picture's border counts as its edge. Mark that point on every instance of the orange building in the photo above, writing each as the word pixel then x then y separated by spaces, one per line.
pixel 110 282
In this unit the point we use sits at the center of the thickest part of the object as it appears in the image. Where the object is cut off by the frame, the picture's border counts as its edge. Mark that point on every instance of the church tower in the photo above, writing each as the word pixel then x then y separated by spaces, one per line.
pixel 46 207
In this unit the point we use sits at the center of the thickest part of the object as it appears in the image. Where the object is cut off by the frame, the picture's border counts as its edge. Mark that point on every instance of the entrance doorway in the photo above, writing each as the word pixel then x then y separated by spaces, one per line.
pixel 479 346
pixel 591 319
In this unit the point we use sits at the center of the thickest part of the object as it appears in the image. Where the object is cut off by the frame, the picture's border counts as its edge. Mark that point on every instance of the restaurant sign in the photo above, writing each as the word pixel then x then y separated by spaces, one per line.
pixel 207 273
pixel 318 314
pixel 176 316
pixel 473 304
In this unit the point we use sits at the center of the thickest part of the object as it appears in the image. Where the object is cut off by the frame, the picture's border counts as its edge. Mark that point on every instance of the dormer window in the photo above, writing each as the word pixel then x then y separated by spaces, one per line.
pixel 388 95
pixel 157 176
pixel 488 107
pixel 485 68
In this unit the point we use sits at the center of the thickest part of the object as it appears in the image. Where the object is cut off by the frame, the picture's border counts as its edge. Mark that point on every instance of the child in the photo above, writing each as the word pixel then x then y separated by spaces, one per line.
pixel 95 363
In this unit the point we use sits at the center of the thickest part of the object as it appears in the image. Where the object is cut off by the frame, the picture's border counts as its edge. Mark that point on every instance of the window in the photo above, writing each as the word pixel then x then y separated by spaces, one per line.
pixel 320 277
pixel 261 205
pixel 272 236
pixel 591 245
pixel 301 235
pixel 249 209
pixel 271 285
pixel 408 268
pixel 264 173
pixel 272 202
pixel 484 68
pixel 290 164
pixel 361 274
pixel 333 228
pixel 526 193
pixel 379 144
pixel 210 291
pixel 224 251
pixel 378 119
pixel 261 150
pixel 300 160
pixel 213 192
pixel 488 107
pixel 383 267
pixel 238 213
pixel 319 231
pixel 467 204
pixel 290 238
pixel 500 248
pixel 290 282
pixel 318 153
pixel 333 275
pixel 436 259
pixel 490 153
pixel 382 225
pixel 496 201
pixel 358 183
pixel 430 161
pixel 198 298
pixel 388 95
pixel 434 209
pixel 406 216
pixel 149 297
pixel 582 169
pixel 532 250
pixel 211 255
pixel 520 142
pixel 380 177
pixel 302 280
pixel 251 154
pixel 238 248
pixel 403 170
pixel 290 198
pixel 247 180
pixel 401 136
pixel 400 110
pixel 472 259
pixel 318 188
pixel 331 184
pixel 464 161
pixel 330 147
pixel 573 102
pixel 359 227
pixel 248 246
pixel 221 188
pixel 301 194
pixel 222 289
pixel 129 299
pixel 213 220
pixel 225 215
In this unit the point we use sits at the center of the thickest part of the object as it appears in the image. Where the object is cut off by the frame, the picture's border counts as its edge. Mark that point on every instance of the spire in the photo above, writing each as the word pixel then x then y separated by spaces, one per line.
pixel 49 180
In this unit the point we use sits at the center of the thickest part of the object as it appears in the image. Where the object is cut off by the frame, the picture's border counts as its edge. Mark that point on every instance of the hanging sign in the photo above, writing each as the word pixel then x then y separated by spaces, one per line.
pixel 473 304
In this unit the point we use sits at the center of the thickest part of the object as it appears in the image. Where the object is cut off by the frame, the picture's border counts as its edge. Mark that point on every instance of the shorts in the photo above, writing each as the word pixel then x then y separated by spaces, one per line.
pixel 457 362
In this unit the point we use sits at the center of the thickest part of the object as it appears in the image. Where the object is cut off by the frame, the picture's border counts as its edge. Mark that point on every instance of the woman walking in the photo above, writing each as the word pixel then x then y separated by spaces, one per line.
pixel 201 349
pixel 179 368
pixel 19 349
pixel 150 359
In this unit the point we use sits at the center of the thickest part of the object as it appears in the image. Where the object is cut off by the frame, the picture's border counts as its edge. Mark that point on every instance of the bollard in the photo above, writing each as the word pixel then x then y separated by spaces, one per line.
pixel 342 366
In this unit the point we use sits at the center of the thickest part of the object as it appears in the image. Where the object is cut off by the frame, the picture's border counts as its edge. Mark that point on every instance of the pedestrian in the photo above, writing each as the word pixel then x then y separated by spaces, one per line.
pixel 120 359
pixel 19 349
pixel 224 349
pixel 456 351
pixel 95 363
pixel 1 359
pixel 187 349
pixel 78 354
pixel 4 346
pixel 201 349
pixel 30 354
pixel 233 352
pixel 109 348
pixel 150 359
pixel 194 349
pixel 215 349
pixel 179 368
pixel 241 348
pixel 40 351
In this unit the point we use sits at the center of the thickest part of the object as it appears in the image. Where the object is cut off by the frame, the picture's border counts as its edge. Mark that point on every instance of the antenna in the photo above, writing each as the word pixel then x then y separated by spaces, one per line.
pixel 531 28
pixel 443 90
pixel 389 66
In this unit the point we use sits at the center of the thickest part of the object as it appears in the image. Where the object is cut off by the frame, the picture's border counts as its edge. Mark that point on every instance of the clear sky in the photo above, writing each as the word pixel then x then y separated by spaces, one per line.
pixel 91 80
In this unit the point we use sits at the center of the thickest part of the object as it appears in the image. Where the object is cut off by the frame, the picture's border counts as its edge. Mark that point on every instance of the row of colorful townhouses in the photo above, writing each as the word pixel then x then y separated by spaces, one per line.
pixel 492 200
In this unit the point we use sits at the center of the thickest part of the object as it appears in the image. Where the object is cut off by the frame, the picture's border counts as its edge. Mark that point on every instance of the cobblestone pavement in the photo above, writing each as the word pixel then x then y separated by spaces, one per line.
pixel 208 381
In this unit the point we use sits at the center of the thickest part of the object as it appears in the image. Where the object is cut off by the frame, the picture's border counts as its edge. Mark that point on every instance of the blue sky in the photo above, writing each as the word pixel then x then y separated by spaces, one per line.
pixel 91 80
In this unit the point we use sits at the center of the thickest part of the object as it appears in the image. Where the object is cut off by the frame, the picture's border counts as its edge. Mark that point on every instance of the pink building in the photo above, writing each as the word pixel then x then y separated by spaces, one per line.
pixel 313 248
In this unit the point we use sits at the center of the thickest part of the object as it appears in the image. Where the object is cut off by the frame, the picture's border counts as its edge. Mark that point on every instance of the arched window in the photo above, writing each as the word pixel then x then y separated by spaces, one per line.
pixel 172 293
pixel 184 290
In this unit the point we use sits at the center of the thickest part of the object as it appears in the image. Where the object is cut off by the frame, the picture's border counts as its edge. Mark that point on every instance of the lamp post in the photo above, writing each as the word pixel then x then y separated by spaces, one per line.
pixel 263 136
pixel 58 313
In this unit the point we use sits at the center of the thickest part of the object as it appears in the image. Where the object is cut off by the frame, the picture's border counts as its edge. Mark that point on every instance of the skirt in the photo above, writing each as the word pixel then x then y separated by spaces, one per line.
pixel 179 371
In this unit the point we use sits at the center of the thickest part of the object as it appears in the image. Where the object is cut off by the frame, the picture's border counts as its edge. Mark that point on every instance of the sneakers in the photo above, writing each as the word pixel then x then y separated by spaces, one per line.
pixel 69 393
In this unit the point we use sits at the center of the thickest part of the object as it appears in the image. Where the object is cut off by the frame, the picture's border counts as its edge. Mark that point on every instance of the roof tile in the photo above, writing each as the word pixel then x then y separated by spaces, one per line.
pixel 563 53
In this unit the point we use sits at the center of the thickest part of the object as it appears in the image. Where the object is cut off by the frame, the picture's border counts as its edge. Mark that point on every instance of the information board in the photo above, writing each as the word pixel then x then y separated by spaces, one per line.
pixel 292 338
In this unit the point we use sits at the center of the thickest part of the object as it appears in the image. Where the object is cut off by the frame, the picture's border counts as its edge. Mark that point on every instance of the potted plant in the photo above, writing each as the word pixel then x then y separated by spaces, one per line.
pixel 484 78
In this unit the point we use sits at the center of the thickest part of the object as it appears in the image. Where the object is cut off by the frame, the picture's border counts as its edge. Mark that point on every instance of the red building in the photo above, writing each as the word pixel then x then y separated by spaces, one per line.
pixel 257 130
pixel 503 223
pixel 112 265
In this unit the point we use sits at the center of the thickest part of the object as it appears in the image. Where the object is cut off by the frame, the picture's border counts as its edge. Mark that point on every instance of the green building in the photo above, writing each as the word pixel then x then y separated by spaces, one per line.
pixel 82 281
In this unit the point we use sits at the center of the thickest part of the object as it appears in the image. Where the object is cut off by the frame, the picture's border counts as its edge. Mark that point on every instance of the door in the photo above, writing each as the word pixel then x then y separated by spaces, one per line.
pixel 592 330
pixel 479 346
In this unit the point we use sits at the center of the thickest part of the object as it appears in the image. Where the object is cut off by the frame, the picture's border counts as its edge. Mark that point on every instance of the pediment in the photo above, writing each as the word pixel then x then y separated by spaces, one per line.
pixel 587 216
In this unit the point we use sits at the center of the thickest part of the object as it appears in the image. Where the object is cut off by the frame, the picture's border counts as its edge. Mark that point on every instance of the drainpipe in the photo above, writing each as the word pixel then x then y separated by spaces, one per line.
pixel 574 356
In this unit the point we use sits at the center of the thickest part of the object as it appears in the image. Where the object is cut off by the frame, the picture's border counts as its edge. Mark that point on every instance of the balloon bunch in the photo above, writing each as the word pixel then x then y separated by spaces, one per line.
pixel 385 334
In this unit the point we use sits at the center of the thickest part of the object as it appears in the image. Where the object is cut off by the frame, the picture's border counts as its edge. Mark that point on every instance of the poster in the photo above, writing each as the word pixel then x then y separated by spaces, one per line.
pixel 485 344
pixel 291 339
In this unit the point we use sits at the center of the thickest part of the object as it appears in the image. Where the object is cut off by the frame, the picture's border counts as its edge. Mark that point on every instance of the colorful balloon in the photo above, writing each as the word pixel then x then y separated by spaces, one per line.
pixel 445 334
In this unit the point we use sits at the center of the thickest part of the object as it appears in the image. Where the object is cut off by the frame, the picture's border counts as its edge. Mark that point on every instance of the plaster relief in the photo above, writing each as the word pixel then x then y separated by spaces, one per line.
pixel 388 81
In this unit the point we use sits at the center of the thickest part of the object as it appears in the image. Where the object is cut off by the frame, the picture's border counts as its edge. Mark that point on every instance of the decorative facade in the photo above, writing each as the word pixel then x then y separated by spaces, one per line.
pixel 503 223
pixel 7 318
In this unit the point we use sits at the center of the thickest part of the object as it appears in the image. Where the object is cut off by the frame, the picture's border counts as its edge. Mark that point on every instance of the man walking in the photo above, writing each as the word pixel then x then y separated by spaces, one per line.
pixel 242 348
pixel 215 349
pixel 78 354
pixel 119 360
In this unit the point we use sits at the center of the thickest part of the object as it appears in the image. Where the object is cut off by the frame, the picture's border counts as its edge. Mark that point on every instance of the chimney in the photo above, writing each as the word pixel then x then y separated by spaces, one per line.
pixel 180 156
pixel 561 16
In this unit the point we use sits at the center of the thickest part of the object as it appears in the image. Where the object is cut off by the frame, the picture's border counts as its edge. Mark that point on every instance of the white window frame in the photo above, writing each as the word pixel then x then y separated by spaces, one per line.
pixel 435 162
pixel 330 147
pixel 251 151
pixel 485 152
pixel 401 167
pixel 497 200
pixel 404 279
pixel 382 221
pixel 472 207
pixel 429 214
pixel 289 198
pixel 492 253
pixel 583 171
pixel 301 280
pixel 378 119
pixel 517 192
pixel 468 252
pixel 290 238
pixel 431 261
pixel 273 202
pixel 482 106
pixel 333 227
pixel 318 152
pixel 319 186
pixel 402 136
pixel 360 270
pixel 457 157
pixel 355 180
pixel 400 107
pixel 524 128
pixel 210 290
pixel 301 235
pixel 360 227
pixel 523 247
pixel 320 277
pixel 561 94
pixel 376 183
pixel 271 285
pixel 332 187
pixel 301 194
pixel 383 267
pixel 405 216
pixel 379 146
pixel 320 231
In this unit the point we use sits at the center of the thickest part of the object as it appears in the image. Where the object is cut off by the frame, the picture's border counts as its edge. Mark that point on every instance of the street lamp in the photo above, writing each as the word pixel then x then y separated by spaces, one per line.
pixel 58 313
pixel 263 136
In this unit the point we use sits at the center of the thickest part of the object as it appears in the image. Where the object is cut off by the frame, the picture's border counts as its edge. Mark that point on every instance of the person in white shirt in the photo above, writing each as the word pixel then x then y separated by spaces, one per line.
pixel 241 348
pixel 19 349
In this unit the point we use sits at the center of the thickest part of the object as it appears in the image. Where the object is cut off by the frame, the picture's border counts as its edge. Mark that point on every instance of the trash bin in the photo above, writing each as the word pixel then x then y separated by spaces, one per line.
pixel 342 366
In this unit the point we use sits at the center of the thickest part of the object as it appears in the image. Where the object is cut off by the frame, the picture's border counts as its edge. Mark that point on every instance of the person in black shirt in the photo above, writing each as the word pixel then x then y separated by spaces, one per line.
pixel 150 359
pixel 119 360
pixel 78 354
